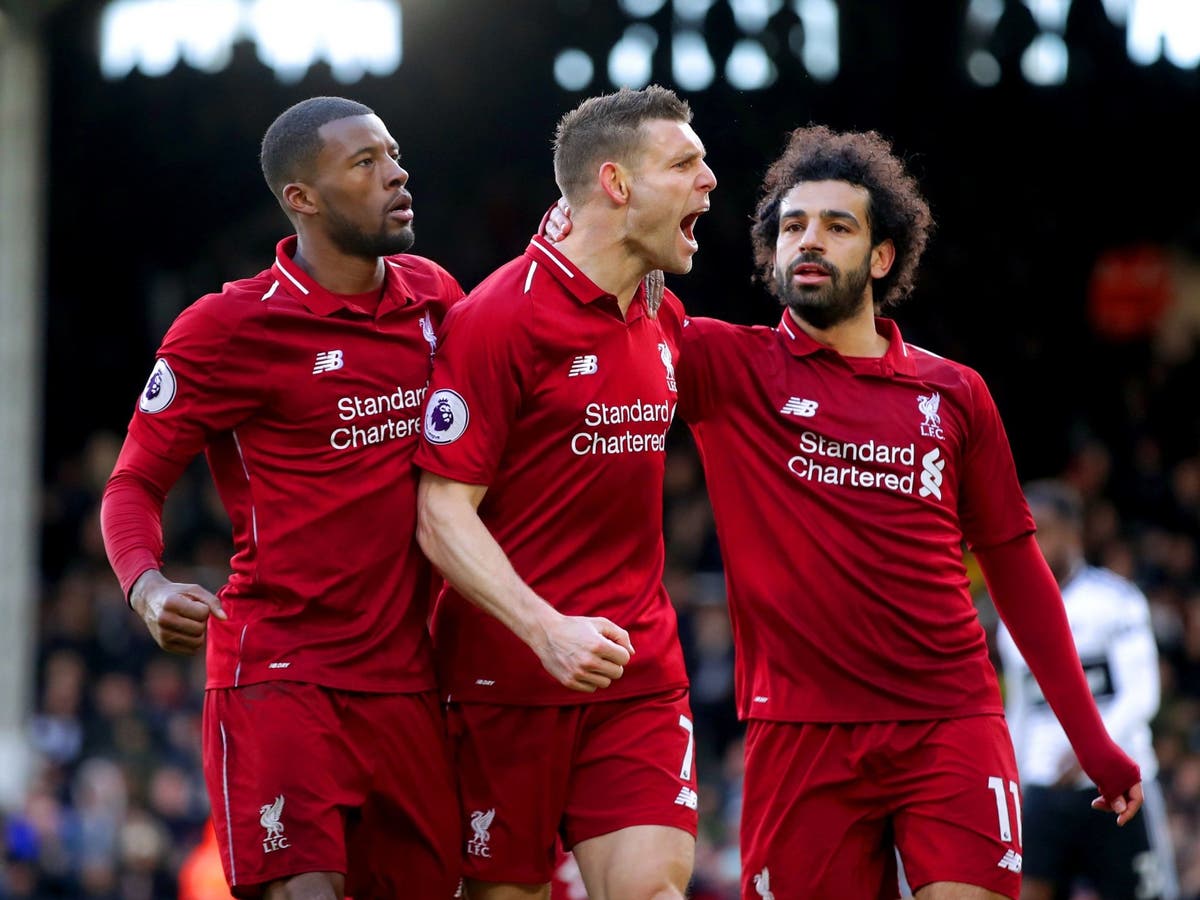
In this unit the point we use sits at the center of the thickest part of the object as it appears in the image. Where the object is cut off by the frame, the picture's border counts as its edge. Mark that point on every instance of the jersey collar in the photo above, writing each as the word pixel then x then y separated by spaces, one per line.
pixel 577 284
pixel 322 302
pixel 897 359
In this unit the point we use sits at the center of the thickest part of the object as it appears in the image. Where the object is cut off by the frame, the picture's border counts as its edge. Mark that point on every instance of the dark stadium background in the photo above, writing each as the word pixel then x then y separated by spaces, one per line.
pixel 155 197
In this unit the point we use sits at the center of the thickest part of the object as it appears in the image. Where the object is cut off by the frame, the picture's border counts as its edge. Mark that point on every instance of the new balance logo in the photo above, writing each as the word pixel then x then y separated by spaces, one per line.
pixel 687 797
pixel 797 407
pixel 583 365
pixel 1011 861
pixel 327 361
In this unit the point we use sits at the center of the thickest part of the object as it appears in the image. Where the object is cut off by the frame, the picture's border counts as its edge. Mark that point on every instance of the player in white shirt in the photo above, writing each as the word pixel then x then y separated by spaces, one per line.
pixel 1064 839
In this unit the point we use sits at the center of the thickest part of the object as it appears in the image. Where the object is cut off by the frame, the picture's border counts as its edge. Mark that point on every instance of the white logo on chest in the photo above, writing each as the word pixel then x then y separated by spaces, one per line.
pixel 795 406
pixel 328 361
pixel 664 351
pixel 931 473
pixel 583 365
pixel 427 332
pixel 932 426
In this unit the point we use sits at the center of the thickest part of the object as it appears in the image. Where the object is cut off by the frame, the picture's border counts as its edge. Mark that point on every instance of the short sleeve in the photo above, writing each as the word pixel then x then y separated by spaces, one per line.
pixel 698 372
pixel 992 507
pixel 207 379
pixel 450 290
pixel 475 390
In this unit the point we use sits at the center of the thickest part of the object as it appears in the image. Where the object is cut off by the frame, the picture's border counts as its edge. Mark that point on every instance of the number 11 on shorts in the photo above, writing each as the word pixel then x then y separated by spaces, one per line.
pixel 997 787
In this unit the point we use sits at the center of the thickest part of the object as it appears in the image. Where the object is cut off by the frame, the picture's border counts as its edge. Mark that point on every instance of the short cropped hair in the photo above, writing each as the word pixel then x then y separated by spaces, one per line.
pixel 292 143
pixel 896 209
pixel 1057 496
pixel 608 127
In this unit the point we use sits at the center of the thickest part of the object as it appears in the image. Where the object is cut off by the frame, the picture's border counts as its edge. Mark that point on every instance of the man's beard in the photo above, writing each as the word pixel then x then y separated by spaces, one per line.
pixel 829 304
pixel 350 239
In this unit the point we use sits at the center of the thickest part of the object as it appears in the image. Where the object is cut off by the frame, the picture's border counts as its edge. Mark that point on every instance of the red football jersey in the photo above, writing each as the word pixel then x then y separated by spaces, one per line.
pixel 309 412
pixel 843 490
pixel 543 392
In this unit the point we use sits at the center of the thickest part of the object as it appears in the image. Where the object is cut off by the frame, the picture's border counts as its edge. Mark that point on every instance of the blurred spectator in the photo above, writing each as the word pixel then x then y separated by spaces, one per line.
pixel 1131 289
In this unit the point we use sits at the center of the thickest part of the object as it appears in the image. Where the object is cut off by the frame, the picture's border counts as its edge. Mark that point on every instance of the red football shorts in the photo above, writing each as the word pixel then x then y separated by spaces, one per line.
pixel 307 779
pixel 825 807
pixel 530 774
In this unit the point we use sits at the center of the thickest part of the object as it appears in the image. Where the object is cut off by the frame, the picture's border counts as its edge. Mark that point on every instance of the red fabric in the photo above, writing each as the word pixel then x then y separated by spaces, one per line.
pixel 544 392
pixel 576 771
pixel 131 511
pixel 309 414
pixel 823 805
pixel 1027 597
pixel 301 756
pixel 842 491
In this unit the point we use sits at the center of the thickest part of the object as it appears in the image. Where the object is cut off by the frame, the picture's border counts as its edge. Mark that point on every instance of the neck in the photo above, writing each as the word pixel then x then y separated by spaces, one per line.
pixel 601 252
pixel 334 269
pixel 855 336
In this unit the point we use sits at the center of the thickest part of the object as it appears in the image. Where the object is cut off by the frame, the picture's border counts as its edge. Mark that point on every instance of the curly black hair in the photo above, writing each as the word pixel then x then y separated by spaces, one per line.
pixel 896 208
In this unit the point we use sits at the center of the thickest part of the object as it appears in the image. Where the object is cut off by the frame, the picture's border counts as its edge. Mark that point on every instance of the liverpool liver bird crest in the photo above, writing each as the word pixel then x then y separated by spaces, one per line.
pixel 762 884
pixel 269 817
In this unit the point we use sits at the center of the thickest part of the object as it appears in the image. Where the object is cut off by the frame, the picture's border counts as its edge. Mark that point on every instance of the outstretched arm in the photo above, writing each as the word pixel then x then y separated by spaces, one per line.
pixel 582 653
pixel 1027 597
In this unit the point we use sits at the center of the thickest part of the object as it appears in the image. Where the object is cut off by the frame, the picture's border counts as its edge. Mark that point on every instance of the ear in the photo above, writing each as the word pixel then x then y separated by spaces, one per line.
pixel 883 255
pixel 299 199
pixel 614 181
